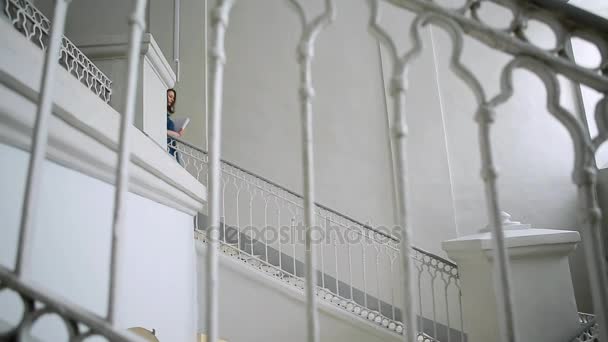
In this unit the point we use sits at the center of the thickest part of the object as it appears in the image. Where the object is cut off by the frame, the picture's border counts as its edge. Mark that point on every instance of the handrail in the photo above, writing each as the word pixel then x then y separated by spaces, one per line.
pixel 575 16
pixel 392 238
pixel 508 41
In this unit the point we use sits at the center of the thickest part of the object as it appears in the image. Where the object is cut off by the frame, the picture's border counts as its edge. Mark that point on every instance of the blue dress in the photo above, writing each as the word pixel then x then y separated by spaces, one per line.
pixel 170 141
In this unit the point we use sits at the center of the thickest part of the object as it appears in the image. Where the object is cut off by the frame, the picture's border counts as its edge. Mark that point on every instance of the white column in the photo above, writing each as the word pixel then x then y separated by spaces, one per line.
pixel 543 294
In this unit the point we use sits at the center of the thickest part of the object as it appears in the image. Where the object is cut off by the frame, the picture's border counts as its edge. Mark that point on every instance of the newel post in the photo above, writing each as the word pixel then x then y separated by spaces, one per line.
pixel 543 293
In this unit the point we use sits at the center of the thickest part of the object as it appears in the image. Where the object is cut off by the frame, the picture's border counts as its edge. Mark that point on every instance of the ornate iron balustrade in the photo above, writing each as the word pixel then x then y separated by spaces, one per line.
pixel 546 63
pixel 28 20
pixel 589 331
pixel 36 303
pixel 358 266
pixel 466 20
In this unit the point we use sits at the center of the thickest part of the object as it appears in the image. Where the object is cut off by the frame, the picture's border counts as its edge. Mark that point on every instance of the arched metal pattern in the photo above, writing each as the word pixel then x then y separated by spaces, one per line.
pixel 257 197
pixel 584 173
pixel 514 40
pixel 306 48
pixel 398 90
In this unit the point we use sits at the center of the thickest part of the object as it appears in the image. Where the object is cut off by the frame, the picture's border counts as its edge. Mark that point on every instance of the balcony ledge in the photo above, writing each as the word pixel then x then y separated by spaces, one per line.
pixel 83 132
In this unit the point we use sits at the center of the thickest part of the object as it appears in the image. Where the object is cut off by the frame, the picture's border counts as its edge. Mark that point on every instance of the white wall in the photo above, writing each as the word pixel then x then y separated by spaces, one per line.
pixel 71 244
pixel 255 308
pixel 262 130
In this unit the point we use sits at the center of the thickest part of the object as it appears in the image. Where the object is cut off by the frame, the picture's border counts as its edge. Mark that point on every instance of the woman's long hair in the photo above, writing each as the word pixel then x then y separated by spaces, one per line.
pixel 171 108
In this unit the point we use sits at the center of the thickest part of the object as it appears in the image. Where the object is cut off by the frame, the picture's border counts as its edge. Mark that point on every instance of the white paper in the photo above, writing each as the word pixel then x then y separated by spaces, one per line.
pixel 181 123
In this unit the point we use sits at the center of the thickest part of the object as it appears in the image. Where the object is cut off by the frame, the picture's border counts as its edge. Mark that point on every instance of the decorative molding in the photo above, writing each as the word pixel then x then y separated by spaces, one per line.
pixel 82 131
pixel 116 47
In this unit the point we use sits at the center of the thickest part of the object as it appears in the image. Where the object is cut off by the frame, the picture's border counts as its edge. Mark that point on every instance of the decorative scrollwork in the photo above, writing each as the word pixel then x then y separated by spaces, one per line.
pixel 583 148
pixel 28 20
pixel 80 324
pixel 514 40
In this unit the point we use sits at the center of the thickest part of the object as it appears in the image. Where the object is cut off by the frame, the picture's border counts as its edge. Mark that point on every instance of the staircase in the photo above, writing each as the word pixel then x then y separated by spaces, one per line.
pixel 357 274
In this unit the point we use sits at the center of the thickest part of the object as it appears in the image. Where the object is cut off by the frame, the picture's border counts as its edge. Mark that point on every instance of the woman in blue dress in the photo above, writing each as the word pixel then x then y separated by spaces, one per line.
pixel 171 132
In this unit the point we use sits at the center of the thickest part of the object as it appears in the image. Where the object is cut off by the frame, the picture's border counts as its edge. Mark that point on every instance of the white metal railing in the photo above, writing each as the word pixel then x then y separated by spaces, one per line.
pixel 589 330
pixel 374 247
pixel 27 19
pixel 357 267
pixel 37 302
pixel 465 19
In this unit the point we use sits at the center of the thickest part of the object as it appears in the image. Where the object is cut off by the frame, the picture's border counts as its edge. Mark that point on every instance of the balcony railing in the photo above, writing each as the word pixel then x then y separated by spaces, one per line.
pixel 28 20
pixel 358 266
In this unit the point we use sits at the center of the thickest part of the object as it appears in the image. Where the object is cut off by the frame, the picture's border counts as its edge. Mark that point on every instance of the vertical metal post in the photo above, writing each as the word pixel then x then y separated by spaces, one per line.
pixel 399 136
pixel 485 117
pixel 594 251
pixel 217 55
pixel 176 26
pixel 306 93
pixel 137 25
pixel 40 136
pixel 305 55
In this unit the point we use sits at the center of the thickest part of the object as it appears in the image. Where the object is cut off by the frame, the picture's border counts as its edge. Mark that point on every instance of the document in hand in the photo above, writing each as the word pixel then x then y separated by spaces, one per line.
pixel 181 123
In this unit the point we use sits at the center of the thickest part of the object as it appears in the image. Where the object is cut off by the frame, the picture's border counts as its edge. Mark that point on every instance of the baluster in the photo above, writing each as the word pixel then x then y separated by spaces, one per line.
pixel 337 266
pixel 485 117
pixel 420 267
pixel 137 25
pixel 238 214
pixel 392 262
pixel 217 57
pixel 433 274
pixel 447 304
pixel 350 267
pixel 310 30
pixel 265 227
pixel 294 238
pixel 40 137
pixel 399 139
pixel 378 293
pixel 252 192
pixel 460 312
pixel 363 249
pixel 279 229
pixel 322 245
pixel 223 215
